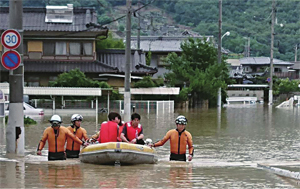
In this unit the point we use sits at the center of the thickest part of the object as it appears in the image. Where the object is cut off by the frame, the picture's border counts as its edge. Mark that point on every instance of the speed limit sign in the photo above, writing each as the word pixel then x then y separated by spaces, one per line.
pixel 11 39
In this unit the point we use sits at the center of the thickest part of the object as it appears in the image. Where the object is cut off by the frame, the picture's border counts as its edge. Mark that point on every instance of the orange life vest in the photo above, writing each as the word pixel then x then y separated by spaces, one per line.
pixel 56 142
pixel 132 132
pixel 80 133
pixel 108 132
pixel 178 142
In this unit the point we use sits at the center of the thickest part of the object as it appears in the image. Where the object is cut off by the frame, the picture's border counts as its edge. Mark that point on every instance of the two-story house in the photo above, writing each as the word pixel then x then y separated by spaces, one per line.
pixel 161 46
pixel 57 39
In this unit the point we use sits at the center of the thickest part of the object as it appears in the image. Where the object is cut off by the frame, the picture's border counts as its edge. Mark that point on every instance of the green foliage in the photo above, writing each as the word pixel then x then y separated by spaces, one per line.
pixel 148 58
pixel 27 120
pixel 110 43
pixel 159 81
pixel 76 78
pixel 121 27
pixel 146 82
pixel 183 94
pixel 243 18
pixel 198 69
pixel 103 19
pixel 285 86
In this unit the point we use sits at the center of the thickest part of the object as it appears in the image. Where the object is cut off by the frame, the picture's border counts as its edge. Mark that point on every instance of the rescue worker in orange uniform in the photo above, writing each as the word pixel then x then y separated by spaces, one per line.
pixel 56 136
pixel 179 139
pixel 73 148
pixel 109 130
pixel 133 131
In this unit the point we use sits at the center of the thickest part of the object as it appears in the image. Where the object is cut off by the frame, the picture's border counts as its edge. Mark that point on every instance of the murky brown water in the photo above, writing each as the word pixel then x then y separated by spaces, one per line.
pixel 227 150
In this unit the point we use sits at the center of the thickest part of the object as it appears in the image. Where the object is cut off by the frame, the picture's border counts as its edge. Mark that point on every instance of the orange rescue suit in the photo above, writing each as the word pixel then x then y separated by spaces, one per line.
pixel 178 142
pixel 56 142
pixel 108 132
pixel 80 133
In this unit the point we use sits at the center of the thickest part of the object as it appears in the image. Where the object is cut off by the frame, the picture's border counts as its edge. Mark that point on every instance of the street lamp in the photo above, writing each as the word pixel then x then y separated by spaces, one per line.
pixel 219 101
pixel 225 34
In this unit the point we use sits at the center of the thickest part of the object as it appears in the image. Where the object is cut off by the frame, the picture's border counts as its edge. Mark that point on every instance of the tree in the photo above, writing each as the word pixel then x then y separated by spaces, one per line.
pixel 147 82
pixel 197 67
pixel 76 78
pixel 285 86
pixel 110 43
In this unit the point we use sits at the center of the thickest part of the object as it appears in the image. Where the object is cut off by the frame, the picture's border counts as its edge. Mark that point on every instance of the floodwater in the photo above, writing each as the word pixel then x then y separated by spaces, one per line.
pixel 228 145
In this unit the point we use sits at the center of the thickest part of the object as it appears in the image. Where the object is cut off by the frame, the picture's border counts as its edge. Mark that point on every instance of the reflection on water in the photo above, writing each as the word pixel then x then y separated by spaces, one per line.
pixel 228 142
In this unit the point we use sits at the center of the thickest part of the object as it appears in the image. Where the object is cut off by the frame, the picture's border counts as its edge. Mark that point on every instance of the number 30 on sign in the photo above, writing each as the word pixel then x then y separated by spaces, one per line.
pixel 11 39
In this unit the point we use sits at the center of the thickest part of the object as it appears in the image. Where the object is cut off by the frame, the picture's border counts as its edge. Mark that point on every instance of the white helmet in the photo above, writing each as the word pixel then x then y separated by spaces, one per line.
pixel 181 120
pixel 55 119
pixel 76 117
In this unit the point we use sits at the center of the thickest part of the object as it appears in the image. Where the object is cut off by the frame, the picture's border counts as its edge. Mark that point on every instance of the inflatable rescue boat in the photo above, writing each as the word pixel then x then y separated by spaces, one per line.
pixel 118 153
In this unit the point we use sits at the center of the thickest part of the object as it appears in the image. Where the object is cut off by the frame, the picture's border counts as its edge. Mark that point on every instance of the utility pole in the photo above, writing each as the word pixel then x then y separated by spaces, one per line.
pixel 219 103
pixel 296 52
pixel 272 49
pixel 139 28
pixel 15 132
pixel 248 47
pixel 127 95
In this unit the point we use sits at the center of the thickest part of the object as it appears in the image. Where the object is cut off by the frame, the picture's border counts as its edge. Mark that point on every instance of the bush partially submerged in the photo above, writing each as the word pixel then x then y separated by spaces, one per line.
pixel 27 120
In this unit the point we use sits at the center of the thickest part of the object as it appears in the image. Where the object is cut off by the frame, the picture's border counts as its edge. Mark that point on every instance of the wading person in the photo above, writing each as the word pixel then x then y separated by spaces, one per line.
pixel 133 130
pixel 109 130
pixel 56 136
pixel 179 139
pixel 73 148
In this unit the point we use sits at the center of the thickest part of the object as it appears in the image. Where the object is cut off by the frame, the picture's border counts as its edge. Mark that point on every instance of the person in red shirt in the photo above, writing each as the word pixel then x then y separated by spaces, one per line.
pixel 133 130
pixel 109 130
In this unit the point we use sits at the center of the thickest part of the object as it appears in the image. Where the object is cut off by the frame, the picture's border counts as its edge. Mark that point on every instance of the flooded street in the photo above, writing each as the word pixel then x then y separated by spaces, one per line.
pixel 228 146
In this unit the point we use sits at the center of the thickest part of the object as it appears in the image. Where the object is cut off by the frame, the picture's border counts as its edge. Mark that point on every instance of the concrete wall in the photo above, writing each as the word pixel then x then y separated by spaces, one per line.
pixel 251 93
pixel 155 63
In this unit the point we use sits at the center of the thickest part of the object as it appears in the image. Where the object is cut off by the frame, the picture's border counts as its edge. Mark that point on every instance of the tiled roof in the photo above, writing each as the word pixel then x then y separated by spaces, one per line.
pixel 263 61
pixel 166 44
pixel 66 66
pixel 116 58
pixel 159 44
pixel 296 65
pixel 34 20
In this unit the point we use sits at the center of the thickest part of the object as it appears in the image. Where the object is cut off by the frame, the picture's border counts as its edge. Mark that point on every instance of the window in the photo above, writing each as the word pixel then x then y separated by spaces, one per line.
pixel 75 48
pixel 60 48
pixel 87 49
pixel 48 48
pixel 278 70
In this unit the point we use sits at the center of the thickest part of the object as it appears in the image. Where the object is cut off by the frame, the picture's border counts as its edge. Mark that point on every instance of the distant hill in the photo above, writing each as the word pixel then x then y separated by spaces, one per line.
pixel 243 18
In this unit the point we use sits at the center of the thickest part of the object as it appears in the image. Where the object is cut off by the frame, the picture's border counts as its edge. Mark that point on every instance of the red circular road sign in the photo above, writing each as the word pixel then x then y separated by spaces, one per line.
pixel 11 39
pixel 11 60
